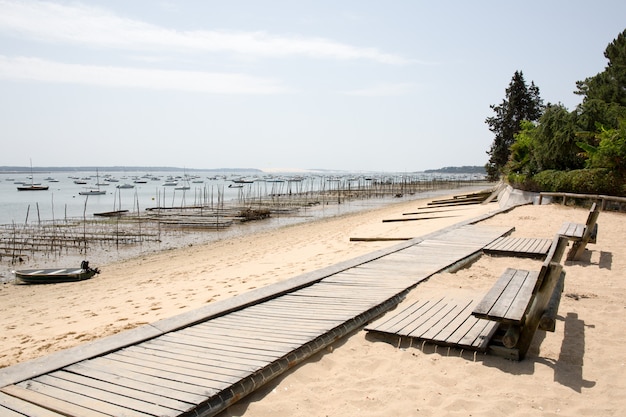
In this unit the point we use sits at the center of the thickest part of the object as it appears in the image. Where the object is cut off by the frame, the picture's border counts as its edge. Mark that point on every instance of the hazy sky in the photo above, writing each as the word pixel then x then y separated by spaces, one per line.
pixel 347 85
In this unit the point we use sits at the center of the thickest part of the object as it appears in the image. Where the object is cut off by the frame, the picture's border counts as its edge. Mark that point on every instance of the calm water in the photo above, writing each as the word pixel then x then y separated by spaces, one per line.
pixel 62 199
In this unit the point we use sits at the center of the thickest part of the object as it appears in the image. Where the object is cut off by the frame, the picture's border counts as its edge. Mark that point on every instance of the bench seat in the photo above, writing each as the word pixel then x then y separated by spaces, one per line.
pixel 572 230
pixel 509 299
pixel 520 300
pixel 581 234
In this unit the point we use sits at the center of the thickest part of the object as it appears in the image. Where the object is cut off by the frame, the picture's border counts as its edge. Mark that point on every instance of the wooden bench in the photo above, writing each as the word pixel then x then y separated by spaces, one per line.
pixel 521 300
pixel 581 234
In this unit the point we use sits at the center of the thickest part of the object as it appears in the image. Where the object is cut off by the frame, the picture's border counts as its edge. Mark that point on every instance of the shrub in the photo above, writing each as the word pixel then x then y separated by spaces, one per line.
pixel 581 181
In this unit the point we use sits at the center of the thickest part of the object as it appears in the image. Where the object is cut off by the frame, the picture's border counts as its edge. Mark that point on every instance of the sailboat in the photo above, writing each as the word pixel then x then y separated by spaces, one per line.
pixel 94 191
pixel 32 186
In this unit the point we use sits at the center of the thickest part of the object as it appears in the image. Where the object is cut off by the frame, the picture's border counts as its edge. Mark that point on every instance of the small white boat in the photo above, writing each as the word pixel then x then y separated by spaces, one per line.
pixel 93 192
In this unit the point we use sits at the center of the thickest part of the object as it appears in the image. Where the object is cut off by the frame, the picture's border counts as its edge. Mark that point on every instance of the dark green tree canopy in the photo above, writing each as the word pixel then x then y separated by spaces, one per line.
pixel 608 88
pixel 521 103
pixel 580 151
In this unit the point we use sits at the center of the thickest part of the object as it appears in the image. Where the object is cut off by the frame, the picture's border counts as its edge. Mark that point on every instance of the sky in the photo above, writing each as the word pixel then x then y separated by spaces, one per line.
pixel 354 85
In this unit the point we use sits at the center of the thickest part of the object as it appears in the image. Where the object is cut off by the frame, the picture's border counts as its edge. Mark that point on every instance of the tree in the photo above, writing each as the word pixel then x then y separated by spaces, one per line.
pixel 609 85
pixel 555 140
pixel 611 150
pixel 520 103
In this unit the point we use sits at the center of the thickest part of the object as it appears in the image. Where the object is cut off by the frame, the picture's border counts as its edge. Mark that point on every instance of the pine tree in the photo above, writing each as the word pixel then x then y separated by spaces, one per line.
pixel 521 103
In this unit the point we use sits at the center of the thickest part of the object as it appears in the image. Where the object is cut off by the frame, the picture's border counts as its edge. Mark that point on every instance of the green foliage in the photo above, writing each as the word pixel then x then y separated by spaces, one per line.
pixel 608 86
pixel 548 155
pixel 611 150
pixel 583 181
pixel 521 103
pixel 555 140
pixel 520 161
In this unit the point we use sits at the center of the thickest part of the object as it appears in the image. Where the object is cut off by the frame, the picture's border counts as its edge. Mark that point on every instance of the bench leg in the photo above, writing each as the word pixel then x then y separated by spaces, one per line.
pixel 548 319
pixel 511 337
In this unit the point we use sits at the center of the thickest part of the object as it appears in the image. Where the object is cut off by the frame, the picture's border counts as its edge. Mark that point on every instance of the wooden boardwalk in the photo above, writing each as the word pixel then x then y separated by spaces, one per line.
pixel 446 322
pixel 199 363
pixel 519 246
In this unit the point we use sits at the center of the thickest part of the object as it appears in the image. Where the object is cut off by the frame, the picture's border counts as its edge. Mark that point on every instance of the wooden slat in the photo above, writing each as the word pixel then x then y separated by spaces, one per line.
pixel 514 297
pixel 430 320
pixel 479 333
pixel 510 246
pixel 183 367
pixel 234 341
pixel 454 312
pixel 153 376
pixel 202 379
pixel 128 394
pixel 158 386
pixel 404 319
pixel 484 306
pixel 233 360
pixel 522 300
pixel 249 338
pixel 446 322
pixel 86 395
pixel 68 403
pixel 15 407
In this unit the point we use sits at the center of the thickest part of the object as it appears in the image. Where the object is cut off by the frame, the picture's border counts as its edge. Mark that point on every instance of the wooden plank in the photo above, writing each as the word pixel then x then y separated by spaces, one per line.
pixel 234 341
pixel 249 353
pixel 445 322
pixel 285 322
pixel 455 313
pixel 377 239
pixel 434 321
pixel 303 312
pixel 264 326
pixel 520 306
pixel 510 298
pixel 405 319
pixel 479 333
pixel 188 368
pixel 84 396
pixel 394 322
pixel 531 247
pixel 483 308
pixel 158 386
pixel 232 358
pixel 16 407
pixel 223 367
pixel 67 402
pixel 289 301
pixel 127 395
pixel 407 219
pixel 252 337
pixel 205 379
pixel 153 376
pixel 226 326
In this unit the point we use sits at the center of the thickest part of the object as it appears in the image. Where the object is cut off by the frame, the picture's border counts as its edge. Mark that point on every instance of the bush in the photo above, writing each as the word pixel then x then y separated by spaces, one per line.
pixel 523 182
pixel 581 181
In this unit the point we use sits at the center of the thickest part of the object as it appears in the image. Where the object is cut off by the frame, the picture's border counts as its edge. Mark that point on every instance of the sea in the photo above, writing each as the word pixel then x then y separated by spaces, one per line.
pixel 146 190
pixel 141 191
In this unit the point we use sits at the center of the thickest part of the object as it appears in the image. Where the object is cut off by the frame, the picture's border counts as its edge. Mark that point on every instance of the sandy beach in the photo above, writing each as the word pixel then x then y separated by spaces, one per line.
pixel 578 370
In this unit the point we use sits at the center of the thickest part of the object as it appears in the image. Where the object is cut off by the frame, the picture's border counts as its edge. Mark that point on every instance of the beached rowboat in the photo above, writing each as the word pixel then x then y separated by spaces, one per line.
pixel 53 275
